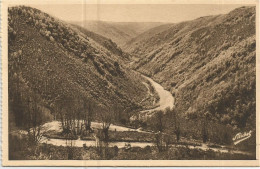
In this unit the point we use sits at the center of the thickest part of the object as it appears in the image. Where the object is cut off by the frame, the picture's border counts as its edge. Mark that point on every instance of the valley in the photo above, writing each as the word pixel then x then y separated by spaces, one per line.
pixel 99 90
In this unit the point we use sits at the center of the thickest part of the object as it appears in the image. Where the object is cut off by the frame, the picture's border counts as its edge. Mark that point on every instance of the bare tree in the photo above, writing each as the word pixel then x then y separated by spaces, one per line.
pixel 159 141
pixel 159 127
pixel 34 120
pixel 159 124
pixel 107 118
pixel 176 121
pixel 204 125
pixel 88 114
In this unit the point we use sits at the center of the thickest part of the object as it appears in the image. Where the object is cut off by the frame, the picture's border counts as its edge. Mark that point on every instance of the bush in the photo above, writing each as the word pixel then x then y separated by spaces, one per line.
pixel 147 149
pixel 51 39
pixel 116 150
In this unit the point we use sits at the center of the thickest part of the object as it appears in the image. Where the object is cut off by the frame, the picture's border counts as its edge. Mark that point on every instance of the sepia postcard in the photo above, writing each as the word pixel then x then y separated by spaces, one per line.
pixel 130 83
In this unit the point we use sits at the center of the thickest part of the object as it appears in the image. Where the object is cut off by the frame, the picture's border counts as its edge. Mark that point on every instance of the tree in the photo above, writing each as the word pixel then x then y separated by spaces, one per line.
pixel 34 120
pixel 107 117
pixel 69 114
pixel 106 122
pixel 159 141
pixel 159 121
pixel 204 130
pixel 88 114
pixel 159 127
pixel 176 121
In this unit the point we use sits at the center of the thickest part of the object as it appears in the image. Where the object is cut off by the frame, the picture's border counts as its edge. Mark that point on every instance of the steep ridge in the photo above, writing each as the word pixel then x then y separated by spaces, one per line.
pixel 55 64
pixel 208 63
pixel 119 32
pixel 103 41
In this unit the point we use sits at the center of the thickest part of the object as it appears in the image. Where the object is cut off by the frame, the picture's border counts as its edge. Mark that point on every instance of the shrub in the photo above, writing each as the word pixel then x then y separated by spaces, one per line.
pixel 51 39
pixel 116 150
pixel 147 149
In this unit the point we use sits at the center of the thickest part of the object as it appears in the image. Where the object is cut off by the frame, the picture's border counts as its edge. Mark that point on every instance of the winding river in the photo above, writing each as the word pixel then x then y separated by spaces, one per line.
pixel 166 100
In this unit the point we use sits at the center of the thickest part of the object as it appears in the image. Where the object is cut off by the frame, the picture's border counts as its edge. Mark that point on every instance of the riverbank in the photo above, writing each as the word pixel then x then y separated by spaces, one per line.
pixel 142 142
pixel 44 151
pixel 120 135
pixel 139 143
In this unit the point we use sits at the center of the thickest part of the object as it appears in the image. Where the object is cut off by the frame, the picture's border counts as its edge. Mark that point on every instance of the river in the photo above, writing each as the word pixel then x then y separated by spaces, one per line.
pixel 122 144
pixel 79 143
pixel 166 100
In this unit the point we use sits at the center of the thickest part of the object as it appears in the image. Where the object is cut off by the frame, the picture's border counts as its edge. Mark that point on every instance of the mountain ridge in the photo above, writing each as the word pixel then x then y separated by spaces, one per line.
pixel 195 58
pixel 50 60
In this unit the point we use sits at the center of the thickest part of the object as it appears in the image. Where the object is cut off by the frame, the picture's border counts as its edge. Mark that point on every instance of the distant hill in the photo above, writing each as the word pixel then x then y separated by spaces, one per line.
pixel 119 32
pixel 61 66
pixel 208 63
pixel 132 46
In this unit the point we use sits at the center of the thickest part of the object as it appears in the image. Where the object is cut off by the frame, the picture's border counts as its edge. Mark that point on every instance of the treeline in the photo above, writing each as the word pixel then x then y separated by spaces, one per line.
pixel 171 126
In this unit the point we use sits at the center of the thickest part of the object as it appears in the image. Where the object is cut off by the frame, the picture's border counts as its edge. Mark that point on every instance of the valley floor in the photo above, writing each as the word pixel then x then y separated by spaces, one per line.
pixel 124 143
pixel 51 152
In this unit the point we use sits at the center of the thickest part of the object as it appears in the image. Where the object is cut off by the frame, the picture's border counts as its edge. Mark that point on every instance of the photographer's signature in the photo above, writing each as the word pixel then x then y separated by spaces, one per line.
pixel 239 137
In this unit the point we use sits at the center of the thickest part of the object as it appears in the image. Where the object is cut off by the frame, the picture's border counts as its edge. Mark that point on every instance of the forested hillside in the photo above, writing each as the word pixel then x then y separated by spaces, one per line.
pixel 55 71
pixel 105 42
pixel 208 63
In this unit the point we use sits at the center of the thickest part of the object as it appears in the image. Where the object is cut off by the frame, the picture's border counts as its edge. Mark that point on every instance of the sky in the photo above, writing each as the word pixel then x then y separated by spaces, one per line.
pixel 134 12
